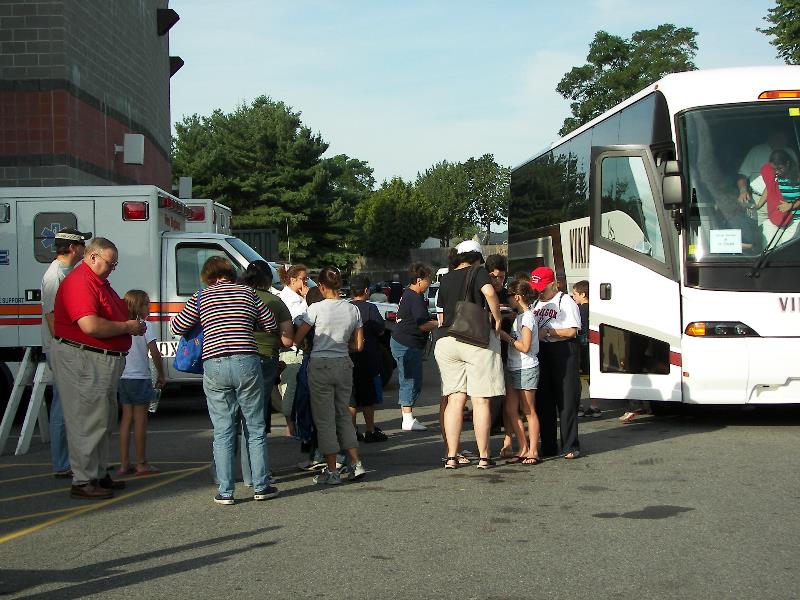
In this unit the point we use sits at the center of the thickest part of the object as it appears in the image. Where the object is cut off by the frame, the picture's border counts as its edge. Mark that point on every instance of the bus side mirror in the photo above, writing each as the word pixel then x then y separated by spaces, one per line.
pixel 671 185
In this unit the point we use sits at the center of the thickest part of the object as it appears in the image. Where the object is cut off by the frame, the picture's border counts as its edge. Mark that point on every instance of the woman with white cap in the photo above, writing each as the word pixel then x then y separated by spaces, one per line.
pixel 468 370
pixel 558 320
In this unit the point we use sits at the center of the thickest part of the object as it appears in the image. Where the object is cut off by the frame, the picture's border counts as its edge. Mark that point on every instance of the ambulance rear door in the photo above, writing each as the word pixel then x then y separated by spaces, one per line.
pixel 38 221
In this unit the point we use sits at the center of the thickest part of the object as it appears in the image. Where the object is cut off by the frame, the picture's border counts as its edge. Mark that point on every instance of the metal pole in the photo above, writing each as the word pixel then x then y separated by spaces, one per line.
pixel 288 246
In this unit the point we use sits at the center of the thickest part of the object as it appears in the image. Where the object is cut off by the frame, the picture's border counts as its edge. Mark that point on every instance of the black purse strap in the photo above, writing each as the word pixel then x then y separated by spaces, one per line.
pixel 468 283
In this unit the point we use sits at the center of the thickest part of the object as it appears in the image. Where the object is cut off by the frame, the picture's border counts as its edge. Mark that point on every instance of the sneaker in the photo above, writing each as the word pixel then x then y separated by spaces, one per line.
pixel 328 478
pixel 225 499
pixel 582 411
pixel 341 460
pixel 593 412
pixel 413 425
pixel 359 436
pixel 375 436
pixel 356 471
pixel 267 493
pixel 312 465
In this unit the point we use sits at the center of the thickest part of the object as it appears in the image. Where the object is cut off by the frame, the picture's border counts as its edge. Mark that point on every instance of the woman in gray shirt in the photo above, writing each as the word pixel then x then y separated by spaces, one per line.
pixel 337 332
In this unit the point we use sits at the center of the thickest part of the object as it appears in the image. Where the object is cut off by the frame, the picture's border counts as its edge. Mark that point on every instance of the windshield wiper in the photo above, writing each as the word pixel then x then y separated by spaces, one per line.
pixel 755 271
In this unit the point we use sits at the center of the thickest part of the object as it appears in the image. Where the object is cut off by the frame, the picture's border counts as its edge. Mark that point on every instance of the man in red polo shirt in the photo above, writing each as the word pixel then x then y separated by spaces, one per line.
pixel 92 337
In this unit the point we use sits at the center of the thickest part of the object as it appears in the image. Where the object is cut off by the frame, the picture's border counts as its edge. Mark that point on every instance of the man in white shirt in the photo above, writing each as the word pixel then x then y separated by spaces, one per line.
pixel 69 247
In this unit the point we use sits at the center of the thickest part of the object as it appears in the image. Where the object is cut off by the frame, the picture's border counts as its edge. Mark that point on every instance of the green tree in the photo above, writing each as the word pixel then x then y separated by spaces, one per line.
pixel 444 191
pixel 392 220
pixel 618 68
pixel 489 192
pixel 785 30
pixel 267 166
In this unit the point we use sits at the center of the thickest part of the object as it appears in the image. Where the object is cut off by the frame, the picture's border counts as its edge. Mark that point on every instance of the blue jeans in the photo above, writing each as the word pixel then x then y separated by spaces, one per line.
pixel 234 383
pixel 59 451
pixel 409 372
pixel 269 372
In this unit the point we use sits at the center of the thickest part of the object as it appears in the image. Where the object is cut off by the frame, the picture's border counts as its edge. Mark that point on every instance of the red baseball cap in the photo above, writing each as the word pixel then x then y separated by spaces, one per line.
pixel 541 277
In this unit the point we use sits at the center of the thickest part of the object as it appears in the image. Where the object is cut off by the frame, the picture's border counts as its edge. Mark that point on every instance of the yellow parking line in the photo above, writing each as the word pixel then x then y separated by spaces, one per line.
pixel 102 504
pixel 39 514
pixel 61 490
pixel 11 466
pixel 2 481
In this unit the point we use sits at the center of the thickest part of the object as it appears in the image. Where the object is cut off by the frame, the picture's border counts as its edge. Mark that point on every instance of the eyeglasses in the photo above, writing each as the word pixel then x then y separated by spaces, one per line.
pixel 113 265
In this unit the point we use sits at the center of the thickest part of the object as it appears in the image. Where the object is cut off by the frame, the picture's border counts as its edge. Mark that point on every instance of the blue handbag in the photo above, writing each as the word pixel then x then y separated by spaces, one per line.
pixel 189 354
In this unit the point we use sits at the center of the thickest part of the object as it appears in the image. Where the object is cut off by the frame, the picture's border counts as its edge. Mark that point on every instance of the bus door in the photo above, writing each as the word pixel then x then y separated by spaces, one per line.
pixel 634 294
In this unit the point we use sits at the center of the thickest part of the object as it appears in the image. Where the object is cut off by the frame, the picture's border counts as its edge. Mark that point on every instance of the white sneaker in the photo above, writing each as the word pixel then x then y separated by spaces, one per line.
pixel 356 471
pixel 413 425
pixel 328 478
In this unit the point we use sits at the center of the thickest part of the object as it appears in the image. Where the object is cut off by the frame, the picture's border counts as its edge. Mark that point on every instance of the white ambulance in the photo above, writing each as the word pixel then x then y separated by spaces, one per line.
pixel 156 254
pixel 207 216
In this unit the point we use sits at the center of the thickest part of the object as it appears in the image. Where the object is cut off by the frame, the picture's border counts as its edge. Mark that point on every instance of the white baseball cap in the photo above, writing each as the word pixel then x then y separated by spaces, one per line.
pixel 469 246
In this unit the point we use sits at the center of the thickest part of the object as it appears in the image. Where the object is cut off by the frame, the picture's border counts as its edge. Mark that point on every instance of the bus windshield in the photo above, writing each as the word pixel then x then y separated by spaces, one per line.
pixel 741 172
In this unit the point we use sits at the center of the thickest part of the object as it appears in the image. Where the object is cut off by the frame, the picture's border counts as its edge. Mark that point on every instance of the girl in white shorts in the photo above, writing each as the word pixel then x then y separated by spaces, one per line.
pixel 522 373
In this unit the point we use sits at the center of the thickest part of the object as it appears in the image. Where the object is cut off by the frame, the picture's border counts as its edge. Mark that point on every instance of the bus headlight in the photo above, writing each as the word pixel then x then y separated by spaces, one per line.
pixel 719 329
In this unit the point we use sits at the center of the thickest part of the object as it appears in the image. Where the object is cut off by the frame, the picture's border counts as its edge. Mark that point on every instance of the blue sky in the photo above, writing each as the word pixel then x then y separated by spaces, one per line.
pixel 404 85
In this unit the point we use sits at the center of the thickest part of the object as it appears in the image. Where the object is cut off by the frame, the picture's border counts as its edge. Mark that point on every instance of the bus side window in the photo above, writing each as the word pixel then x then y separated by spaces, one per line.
pixel 629 214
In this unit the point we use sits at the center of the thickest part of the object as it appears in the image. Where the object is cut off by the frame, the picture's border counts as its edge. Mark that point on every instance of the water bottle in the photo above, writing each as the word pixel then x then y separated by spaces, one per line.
pixel 154 402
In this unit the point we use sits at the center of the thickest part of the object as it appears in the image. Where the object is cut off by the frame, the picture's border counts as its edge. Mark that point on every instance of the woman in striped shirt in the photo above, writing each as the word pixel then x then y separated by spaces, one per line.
pixel 782 197
pixel 228 313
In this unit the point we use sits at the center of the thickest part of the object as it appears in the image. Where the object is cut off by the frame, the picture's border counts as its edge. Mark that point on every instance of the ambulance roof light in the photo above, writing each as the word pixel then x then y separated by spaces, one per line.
pixel 197 213
pixel 135 211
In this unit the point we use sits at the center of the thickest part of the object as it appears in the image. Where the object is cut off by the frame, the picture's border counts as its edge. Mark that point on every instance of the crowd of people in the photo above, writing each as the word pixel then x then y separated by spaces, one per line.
pixel 313 356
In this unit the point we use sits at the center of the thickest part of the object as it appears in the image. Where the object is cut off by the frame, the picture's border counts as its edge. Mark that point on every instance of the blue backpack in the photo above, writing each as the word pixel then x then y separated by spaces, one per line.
pixel 189 355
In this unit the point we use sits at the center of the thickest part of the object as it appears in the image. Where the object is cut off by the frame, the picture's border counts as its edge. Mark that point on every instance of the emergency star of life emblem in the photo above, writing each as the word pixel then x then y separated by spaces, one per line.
pixel 49 234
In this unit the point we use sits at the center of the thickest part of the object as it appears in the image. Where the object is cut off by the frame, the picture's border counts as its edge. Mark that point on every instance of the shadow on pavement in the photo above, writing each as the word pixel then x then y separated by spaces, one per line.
pixel 115 574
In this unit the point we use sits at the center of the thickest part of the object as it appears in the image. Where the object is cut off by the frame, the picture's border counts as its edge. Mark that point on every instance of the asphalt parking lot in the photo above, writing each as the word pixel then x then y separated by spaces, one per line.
pixel 696 505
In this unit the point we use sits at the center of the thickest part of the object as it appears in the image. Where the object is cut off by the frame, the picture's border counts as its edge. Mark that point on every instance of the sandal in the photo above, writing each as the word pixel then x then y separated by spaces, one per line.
pixel 515 460
pixel 530 461
pixel 629 416
pixel 146 469
pixel 486 463
pixel 124 471
pixel 507 453
pixel 451 462
pixel 572 455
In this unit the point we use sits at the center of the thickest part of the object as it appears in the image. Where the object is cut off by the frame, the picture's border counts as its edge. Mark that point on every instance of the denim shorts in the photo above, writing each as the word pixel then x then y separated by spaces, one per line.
pixel 523 379
pixel 135 391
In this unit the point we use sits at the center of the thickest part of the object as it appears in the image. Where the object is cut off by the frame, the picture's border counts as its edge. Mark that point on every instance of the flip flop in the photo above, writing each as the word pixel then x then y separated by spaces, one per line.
pixel 529 461
pixel 507 453
pixel 629 416
pixel 515 460
pixel 146 470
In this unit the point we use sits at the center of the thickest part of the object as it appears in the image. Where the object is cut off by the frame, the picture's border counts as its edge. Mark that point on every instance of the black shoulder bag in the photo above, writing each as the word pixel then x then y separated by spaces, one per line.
pixel 471 321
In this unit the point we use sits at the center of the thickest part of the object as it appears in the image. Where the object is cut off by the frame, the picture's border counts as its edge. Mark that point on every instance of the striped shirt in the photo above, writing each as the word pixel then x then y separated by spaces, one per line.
pixel 790 190
pixel 229 313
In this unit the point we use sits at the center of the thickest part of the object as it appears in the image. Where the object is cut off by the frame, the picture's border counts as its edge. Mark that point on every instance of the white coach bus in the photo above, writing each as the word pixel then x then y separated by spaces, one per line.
pixel 694 294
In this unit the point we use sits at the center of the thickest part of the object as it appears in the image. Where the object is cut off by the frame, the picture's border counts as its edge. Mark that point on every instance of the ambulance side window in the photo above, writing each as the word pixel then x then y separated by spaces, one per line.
pixel 189 260
pixel 45 226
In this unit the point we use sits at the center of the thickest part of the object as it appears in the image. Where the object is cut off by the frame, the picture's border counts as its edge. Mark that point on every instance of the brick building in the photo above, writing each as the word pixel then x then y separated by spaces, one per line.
pixel 75 77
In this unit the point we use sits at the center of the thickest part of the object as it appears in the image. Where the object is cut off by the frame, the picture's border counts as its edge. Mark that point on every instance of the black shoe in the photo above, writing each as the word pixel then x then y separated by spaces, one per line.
pixel 66 474
pixel 109 484
pixel 360 436
pixel 89 491
pixel 375 436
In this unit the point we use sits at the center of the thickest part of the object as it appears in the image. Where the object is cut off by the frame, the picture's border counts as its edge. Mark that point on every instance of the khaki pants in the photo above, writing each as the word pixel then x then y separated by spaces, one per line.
pixel 87 382
pixel 330 381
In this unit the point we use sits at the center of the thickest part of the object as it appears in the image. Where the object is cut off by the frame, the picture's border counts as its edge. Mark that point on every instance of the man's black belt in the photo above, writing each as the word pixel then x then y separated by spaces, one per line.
pixel 91 348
